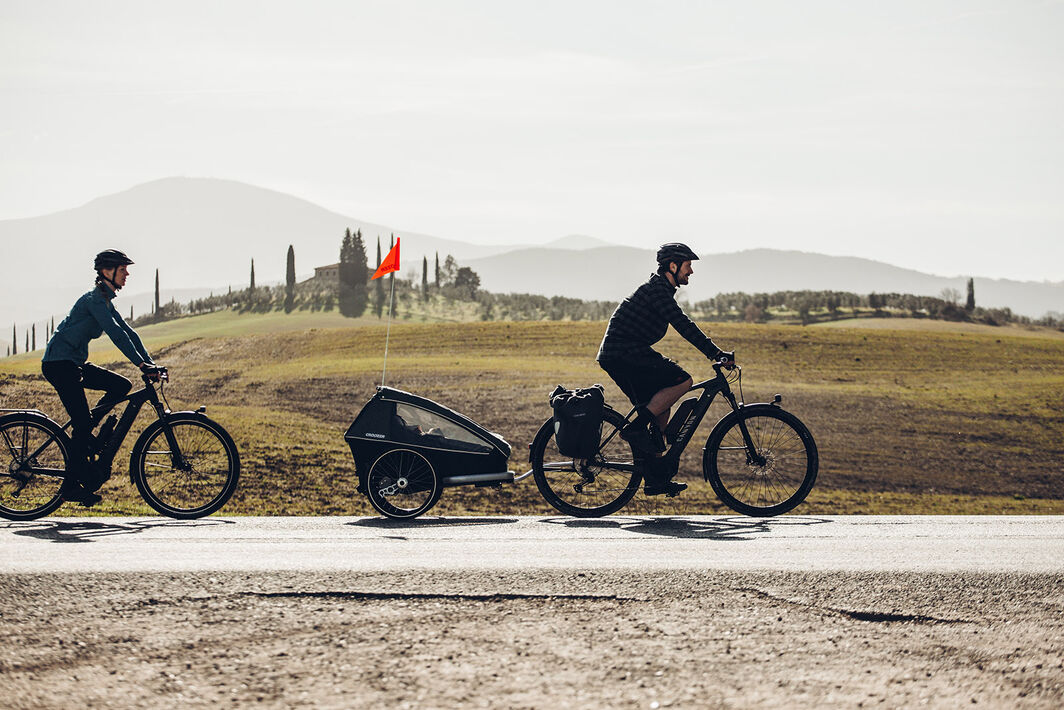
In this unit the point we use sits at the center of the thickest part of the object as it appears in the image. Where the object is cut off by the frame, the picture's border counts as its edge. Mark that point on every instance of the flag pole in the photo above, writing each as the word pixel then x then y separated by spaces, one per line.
pixel 388 328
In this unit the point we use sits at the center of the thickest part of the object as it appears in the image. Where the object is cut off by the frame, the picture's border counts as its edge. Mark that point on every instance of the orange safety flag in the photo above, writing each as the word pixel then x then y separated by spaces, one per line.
pixel 390 263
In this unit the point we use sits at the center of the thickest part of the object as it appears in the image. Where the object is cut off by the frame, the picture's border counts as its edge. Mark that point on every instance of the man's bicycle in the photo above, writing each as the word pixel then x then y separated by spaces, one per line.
pixel 760 459
pixel 184 465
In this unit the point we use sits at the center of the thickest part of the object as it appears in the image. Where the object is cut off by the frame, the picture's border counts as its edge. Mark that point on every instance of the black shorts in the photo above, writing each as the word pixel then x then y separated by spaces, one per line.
pixel 642 377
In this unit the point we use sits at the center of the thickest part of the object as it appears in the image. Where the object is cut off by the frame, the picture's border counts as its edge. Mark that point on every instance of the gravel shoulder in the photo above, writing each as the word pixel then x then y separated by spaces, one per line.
pixel 604 638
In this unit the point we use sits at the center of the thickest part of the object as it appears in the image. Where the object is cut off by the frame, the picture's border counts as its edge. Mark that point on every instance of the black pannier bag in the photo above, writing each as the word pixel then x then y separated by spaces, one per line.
pixel 577 420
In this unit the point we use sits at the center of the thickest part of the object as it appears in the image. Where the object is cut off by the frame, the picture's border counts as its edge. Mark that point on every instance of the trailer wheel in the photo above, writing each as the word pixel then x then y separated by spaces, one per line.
pixel 402 484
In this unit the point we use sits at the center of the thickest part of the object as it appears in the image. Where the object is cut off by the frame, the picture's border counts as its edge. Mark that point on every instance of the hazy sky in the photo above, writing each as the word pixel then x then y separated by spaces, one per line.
pixel 925 134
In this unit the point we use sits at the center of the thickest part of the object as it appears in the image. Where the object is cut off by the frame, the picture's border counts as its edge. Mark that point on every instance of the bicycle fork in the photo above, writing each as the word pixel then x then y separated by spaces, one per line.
pixel 753 458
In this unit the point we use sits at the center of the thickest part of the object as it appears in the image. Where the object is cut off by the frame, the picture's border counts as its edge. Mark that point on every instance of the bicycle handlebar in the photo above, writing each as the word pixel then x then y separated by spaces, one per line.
pixel 725 360
pixel 155 374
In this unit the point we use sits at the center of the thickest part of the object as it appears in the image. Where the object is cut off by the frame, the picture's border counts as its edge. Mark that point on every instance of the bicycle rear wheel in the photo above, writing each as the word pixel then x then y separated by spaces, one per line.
pixel 192 480
pixel 33 456
pixel 781 474
pixel 586 488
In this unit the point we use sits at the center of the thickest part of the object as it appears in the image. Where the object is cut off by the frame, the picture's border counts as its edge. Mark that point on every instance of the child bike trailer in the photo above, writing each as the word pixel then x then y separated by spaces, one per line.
pixel 407 449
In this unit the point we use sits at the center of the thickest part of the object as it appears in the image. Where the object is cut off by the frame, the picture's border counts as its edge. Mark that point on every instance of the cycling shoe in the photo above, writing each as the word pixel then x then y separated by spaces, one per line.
pixel 74 492
pixel 669 489
pixel 642 440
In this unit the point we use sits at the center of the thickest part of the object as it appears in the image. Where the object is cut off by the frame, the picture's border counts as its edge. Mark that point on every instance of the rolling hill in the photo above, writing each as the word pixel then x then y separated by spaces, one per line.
pixel 202 234
pixel 610 273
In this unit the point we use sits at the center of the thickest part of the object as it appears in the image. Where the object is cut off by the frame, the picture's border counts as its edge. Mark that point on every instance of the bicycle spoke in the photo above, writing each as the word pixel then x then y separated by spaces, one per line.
pixel 770 479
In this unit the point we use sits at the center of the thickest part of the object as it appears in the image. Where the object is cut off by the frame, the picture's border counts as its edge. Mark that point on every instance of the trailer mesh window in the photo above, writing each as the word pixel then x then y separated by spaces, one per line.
pixel 418 426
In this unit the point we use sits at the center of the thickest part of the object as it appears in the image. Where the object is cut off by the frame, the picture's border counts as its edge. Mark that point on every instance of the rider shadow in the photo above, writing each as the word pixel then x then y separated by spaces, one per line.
pixel 85 531
pixel 388 523
pixel 736 528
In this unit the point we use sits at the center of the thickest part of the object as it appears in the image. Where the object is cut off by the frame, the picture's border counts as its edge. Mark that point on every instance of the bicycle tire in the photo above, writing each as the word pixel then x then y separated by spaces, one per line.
pixel 570 486
pixel 774 488
pixel 210 476
pixel 39 495
pixel 402 484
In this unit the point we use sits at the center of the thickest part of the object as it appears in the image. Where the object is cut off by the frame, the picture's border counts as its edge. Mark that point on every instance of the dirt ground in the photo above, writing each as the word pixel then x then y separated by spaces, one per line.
pixel 524 640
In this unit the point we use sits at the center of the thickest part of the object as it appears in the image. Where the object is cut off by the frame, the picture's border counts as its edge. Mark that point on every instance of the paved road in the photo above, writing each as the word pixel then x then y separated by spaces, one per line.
pixel 789 543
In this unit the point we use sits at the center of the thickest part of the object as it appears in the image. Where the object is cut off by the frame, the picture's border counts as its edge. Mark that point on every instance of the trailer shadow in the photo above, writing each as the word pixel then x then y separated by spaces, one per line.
pixel 86 531
pixel 730 528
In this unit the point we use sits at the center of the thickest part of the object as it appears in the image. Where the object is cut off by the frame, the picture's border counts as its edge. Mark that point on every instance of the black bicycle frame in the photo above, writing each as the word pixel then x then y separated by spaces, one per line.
pixel 710 389
pixel 136 400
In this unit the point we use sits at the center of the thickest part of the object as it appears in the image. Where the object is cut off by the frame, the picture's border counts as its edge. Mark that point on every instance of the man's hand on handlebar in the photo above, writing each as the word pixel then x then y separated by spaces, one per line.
pixel 153 373
pixel 726 359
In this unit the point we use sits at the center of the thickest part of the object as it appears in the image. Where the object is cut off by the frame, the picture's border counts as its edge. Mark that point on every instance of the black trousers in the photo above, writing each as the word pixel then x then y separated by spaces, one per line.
pixel 71 380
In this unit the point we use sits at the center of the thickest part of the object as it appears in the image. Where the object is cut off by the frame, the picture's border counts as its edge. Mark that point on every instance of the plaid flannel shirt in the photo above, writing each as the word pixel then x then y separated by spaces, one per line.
pixel 643 318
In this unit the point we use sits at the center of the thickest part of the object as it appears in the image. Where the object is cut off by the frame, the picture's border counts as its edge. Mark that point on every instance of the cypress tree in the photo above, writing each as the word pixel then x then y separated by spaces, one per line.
pixel 156 292
pixel 970 303
pixel 437 271
pixel 252 289
pixel 424 278
pixel 346 284
pixel 290 281
pixel 34 327
pixel 359 274
pixel 14 340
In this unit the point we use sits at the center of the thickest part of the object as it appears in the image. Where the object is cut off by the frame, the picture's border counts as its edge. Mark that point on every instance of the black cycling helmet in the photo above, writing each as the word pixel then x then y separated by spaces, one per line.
pixel 110 258
pixel 675 252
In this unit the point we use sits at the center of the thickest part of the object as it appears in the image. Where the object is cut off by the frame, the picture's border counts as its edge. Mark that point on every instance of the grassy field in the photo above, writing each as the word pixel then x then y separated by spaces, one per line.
pixel 923 420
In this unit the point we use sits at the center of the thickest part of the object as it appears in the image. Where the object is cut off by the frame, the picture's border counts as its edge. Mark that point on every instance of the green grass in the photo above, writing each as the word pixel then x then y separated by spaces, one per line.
pixel 907 421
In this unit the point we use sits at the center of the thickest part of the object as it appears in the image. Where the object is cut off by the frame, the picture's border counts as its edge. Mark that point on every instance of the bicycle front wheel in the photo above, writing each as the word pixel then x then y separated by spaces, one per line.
pixel 586 488
pixel 772 479
pixel 33 456
pixel 191 477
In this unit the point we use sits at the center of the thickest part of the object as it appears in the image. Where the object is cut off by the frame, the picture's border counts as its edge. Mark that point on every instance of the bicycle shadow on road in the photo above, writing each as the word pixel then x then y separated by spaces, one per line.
pixel 387 523
pixel 737 528
pixel 85 531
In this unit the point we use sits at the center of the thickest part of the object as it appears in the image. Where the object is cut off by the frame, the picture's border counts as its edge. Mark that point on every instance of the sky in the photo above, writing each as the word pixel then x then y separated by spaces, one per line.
pixel 924 134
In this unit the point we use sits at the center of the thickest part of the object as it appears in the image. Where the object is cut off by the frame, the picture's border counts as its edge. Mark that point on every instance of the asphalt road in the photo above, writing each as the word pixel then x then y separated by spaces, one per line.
pixel 329 544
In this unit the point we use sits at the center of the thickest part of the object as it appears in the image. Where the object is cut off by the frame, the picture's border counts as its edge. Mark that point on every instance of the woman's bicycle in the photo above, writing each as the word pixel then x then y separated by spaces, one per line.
pixel 184 465
pixel 760 459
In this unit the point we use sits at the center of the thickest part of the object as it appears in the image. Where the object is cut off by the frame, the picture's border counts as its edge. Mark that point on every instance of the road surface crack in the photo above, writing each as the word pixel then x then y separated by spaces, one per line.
pixel 388 596
pixel 858 615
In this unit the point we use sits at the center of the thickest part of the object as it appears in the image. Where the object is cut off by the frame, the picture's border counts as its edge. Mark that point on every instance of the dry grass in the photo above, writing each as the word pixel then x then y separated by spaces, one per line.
pixel 906 421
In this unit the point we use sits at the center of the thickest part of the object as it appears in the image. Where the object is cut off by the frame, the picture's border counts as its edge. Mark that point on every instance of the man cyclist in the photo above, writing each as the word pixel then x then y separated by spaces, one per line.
pixel 65 365
pixel 651 381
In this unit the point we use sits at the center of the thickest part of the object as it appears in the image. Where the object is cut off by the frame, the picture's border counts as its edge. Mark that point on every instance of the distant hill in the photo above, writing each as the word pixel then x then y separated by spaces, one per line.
pixel 610 273
pixel 575 241
pixel 202 234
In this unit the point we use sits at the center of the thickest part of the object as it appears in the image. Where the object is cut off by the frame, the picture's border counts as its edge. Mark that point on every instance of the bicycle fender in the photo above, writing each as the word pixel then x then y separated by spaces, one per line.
pixel 35 415
pixel 32 414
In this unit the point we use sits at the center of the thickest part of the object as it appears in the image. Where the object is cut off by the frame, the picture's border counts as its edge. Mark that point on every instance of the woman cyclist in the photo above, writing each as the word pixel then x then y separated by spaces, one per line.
pixel 65 365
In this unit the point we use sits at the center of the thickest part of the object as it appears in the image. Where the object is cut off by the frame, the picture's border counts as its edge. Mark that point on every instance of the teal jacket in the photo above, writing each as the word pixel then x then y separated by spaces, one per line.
pixel 92 316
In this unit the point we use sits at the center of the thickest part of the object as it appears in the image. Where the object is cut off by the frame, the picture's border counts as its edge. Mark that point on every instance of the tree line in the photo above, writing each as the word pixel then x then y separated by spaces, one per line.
pixel 454 289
